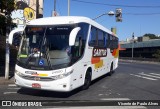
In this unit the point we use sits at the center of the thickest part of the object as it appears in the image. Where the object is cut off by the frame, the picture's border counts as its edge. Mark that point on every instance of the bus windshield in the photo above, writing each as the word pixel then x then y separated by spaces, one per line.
pixel 45 47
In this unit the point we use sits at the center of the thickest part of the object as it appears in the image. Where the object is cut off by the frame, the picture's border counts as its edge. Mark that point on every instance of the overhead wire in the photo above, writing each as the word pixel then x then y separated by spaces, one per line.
pixel 142 13
pixel 131 6
pixel 115 5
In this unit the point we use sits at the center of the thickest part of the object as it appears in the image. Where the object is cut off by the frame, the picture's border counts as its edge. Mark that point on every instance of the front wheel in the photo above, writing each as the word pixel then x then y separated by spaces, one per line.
pixel 87 81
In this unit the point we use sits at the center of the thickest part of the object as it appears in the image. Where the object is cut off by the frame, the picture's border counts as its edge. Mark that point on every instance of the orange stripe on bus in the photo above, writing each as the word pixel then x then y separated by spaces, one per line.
pixel 114 52
pixel 95 60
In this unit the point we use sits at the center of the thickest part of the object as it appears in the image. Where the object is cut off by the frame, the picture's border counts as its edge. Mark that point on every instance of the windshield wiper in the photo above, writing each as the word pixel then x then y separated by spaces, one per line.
pixel 44 43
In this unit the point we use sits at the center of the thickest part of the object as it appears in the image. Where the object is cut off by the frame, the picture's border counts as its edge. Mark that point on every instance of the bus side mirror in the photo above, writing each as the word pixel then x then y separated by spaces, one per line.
pixel 12 34
pixel 73 35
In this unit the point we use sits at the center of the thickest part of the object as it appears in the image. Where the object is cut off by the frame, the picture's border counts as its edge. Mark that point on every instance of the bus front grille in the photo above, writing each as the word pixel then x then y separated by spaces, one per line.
pixel 36 78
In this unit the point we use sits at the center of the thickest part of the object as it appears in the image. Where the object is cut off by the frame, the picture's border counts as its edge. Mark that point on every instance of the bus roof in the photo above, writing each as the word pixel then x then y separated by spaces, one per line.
pixel 59 20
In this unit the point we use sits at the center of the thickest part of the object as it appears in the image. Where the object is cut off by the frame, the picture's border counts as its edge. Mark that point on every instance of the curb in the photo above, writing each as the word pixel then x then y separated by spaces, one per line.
pixel 138 61
pixel 3 81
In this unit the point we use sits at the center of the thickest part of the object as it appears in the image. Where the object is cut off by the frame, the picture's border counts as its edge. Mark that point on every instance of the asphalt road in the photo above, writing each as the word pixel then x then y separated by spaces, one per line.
pixel 131 81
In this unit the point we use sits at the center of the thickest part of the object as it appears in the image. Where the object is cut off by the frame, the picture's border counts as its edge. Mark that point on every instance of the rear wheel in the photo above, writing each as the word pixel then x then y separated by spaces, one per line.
pixel 111 70
pixel 87 81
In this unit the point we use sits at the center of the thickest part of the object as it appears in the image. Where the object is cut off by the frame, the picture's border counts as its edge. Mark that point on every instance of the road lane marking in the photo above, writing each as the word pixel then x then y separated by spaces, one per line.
pixel 124 63
pixel 149 75
pixel 143 77
pixel 13 88
pixel 9 93
pixel 11 85
pixel 114 99
pixel 155 74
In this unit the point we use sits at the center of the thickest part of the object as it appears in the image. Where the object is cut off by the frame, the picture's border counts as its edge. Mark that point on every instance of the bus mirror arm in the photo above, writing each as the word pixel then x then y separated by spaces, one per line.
pixel 73 35
pixel 11 34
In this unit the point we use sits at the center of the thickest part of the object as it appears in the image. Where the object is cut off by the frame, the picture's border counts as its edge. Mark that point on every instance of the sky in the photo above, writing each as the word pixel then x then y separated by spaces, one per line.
pixel 139 24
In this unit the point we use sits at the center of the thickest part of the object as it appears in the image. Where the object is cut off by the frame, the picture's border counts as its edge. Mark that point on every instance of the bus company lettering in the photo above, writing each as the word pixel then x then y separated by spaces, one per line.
pixel 99 52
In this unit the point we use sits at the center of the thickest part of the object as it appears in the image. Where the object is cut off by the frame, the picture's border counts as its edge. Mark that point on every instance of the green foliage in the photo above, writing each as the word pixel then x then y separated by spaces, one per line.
pixel 151 36
pixel 157 55
pixel 2 25
pixel 6 7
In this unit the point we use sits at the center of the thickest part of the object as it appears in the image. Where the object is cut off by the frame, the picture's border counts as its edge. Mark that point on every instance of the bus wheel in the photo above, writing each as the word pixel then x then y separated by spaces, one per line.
pixel 87 81
pixel 111 70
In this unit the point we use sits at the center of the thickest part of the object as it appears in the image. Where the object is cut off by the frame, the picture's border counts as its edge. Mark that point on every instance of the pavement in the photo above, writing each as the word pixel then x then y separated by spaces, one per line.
pixel 4 81
pixel 10 80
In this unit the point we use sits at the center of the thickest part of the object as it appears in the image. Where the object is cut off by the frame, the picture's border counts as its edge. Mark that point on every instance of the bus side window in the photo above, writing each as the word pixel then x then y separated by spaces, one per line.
pixel 111 42
pixel 116 42
pixel 108 42
pixel 100 39
pixel 77 47
pixel 105 40
pixel 93 37
pixel 17 39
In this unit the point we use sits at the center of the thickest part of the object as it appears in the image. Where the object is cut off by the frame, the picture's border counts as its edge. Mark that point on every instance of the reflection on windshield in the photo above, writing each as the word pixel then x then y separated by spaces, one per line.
pixel 45 47
pixel 58 38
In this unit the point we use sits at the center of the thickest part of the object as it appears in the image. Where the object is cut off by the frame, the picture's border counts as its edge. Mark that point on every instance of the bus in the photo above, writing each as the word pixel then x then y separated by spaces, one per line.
pixel 64 53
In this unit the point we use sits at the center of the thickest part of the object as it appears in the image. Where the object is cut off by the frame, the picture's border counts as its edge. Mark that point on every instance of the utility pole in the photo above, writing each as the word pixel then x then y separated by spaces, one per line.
pixel 7 46
pixel 54 5
pixel 54 13
pixel 132 44
pixel 68 7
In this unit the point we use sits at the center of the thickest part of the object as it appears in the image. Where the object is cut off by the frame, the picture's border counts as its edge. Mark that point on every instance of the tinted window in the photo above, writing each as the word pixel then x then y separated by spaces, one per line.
pixel 93 37
pixel 107 40
pixel 100 39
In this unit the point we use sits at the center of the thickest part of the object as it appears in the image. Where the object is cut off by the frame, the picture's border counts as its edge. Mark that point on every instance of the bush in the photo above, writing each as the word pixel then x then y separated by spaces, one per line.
pixel 157 55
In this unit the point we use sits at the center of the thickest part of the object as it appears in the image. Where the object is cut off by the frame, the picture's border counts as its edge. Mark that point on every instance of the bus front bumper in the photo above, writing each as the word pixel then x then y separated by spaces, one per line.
pixel 60 85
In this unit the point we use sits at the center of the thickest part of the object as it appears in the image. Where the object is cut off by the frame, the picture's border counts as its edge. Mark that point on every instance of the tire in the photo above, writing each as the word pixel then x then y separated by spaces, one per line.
pixel 111 70
pixel 87 81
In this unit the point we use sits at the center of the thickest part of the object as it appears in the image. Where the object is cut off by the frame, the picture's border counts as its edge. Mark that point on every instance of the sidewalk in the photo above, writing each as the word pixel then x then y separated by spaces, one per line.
pixel 3 81
pixel 139 61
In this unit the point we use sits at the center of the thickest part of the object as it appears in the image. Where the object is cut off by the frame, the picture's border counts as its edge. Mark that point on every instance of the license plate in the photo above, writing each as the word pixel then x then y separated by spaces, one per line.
pixel 36 85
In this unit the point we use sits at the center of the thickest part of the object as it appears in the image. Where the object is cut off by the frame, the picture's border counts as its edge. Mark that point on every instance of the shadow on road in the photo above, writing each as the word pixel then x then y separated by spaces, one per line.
pixel 44 93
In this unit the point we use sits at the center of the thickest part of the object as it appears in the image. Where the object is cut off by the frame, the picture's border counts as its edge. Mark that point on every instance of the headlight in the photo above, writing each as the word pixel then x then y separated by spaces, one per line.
pixel 19 73
pixel 62 75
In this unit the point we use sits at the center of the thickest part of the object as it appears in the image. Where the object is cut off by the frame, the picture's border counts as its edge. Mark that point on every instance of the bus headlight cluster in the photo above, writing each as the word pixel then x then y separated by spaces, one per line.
pixel 19 73
pixel 62 75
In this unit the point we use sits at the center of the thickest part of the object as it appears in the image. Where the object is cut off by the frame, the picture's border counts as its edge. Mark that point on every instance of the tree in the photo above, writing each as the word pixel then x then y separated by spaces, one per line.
pixel 157 55
pixel 151 36
pixel 6 7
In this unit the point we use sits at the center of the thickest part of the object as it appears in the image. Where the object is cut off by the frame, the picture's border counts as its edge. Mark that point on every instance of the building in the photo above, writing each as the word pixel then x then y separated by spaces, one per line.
pixel 142 49
pixel 26 11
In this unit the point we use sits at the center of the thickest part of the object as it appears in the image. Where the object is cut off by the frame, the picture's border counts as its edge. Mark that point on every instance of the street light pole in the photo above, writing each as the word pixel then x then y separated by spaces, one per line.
pixel 132 44
pixel 7 56
pixel 100 16
pixel 68 7
pixel 54 5
pixel 110 13
pixel 7 47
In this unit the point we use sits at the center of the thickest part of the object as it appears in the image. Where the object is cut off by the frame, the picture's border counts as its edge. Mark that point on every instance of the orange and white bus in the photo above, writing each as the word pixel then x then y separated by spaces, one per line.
pixel 64 53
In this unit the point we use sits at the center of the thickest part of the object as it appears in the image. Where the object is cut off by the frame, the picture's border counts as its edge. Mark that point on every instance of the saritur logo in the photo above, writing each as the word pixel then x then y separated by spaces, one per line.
pixel 99 52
